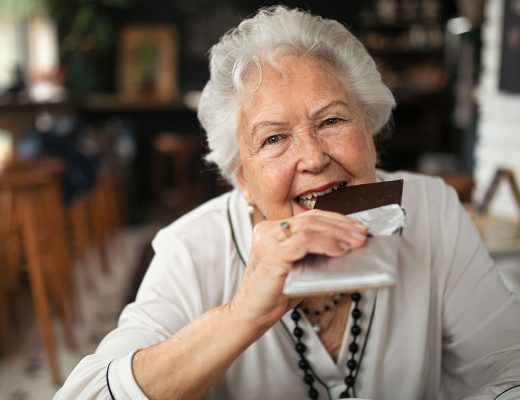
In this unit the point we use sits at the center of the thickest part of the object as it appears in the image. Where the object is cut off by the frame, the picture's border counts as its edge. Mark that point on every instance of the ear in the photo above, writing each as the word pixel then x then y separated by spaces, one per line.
pixel 242 184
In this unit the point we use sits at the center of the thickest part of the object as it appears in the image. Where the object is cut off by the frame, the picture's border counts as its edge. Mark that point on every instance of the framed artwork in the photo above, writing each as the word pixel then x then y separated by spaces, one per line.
pixel 148 67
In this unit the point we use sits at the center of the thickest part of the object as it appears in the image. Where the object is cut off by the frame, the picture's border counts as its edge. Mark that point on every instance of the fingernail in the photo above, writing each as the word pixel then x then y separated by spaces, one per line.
pixel 360 226
pixel 359 235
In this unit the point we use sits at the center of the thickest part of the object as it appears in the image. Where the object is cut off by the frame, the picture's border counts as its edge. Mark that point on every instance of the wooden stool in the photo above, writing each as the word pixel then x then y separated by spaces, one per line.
pixel 176 162
pixel 39 212
pixel 94 220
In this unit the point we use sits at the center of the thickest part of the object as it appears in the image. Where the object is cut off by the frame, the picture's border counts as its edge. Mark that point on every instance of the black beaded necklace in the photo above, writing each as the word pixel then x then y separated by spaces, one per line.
pixel 315 315
pixel 353 347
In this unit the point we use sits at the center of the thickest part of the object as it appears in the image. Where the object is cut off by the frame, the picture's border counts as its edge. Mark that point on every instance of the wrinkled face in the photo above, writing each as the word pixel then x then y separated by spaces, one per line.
pixel 301 135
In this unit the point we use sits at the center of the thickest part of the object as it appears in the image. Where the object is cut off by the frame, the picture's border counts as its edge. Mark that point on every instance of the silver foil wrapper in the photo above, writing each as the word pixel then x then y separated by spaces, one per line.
pixel 373 265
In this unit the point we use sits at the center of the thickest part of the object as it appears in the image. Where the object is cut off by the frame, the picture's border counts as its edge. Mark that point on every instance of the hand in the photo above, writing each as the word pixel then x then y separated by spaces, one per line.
pixel 260 297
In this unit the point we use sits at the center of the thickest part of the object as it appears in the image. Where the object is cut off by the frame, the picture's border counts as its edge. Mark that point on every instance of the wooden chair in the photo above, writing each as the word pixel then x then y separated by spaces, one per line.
pixel 462 183
pixel 176 165
pixel 37 208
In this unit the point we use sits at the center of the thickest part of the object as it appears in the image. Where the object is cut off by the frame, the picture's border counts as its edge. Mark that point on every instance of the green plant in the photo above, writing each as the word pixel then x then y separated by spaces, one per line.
pixel 87 34
pixel 85 25
pixel 16 9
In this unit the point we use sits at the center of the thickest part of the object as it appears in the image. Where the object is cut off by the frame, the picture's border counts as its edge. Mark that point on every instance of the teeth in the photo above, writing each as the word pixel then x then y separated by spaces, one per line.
pixel 309 200
pixel 309 203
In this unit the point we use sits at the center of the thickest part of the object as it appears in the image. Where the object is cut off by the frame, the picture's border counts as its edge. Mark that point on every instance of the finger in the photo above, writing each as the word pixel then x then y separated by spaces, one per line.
pixel 336 226
pixel 311 241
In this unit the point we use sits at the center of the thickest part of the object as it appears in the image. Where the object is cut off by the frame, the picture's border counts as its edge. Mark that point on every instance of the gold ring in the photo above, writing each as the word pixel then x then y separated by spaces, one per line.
pixel 286 228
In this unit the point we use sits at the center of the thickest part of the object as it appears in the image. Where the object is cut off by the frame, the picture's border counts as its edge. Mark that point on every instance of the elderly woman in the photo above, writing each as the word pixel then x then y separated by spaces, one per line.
pixel 290 112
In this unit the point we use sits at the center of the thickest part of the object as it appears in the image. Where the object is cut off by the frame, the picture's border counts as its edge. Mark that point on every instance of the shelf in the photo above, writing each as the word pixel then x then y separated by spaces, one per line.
pixel 97 102
pixel 398 25
pixel 13 104
pixel 430 52
pixel 113 102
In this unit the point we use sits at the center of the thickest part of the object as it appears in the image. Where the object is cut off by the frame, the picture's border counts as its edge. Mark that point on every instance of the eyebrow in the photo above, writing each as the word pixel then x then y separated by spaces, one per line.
pixel 263 124
pixel 331 104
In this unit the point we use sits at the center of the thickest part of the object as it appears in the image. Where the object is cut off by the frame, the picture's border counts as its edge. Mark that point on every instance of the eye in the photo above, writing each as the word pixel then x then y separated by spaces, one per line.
pixel 330 121
pixel 273 139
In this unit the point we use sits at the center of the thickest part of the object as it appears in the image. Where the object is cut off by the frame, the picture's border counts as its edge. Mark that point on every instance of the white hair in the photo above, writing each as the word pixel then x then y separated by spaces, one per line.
pixel 255 42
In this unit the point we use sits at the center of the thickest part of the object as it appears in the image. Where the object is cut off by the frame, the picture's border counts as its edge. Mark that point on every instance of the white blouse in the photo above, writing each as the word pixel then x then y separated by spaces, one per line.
pixel 449 329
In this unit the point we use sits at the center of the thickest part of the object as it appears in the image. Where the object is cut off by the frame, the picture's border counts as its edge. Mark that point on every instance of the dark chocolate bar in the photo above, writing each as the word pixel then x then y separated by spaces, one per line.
pixel 351 199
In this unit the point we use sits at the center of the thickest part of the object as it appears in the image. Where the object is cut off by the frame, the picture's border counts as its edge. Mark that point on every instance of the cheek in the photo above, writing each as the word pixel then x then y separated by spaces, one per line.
pixel 277 176
pixel 269 185
pixel 268 179
pixel 355 152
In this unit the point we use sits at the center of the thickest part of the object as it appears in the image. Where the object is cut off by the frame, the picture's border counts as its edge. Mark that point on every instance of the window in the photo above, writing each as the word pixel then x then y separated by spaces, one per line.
pixel 28 41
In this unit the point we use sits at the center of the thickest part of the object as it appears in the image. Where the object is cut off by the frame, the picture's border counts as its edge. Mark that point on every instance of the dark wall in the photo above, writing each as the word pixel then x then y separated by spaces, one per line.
pixel 201 23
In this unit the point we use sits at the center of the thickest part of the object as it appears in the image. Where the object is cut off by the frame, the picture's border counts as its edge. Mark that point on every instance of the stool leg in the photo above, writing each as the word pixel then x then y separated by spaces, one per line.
pixel 58 265
pixel 10 260
pixel 5 242
pixel 111 212
pixel 97 215
pixel 39 294
pixel 79 224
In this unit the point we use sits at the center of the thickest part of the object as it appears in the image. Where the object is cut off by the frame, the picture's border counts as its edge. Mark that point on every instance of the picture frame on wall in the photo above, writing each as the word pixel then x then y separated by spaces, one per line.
pixel 148 62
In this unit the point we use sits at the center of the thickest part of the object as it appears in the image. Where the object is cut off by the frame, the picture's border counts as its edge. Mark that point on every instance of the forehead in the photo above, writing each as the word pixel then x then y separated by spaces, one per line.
pixel 294 79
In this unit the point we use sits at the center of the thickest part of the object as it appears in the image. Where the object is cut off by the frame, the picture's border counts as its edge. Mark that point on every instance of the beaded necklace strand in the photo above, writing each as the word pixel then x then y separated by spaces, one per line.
pixel 315 315
pixel 355 330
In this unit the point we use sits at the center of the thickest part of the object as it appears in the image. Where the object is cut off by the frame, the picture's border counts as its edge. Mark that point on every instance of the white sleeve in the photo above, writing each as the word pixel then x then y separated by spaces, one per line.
pixel 481 318
pixel 168 298
pixel 99 377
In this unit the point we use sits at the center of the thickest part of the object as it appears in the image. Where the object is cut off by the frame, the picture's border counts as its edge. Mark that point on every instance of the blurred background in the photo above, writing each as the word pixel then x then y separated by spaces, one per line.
pixel 100 145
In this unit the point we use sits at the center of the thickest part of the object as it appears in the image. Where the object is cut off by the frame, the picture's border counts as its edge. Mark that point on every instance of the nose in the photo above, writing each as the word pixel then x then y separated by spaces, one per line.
pixel 313 154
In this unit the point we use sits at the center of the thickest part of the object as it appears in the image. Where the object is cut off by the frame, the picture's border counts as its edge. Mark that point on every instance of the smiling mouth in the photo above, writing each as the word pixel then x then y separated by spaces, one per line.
pixel 308 200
